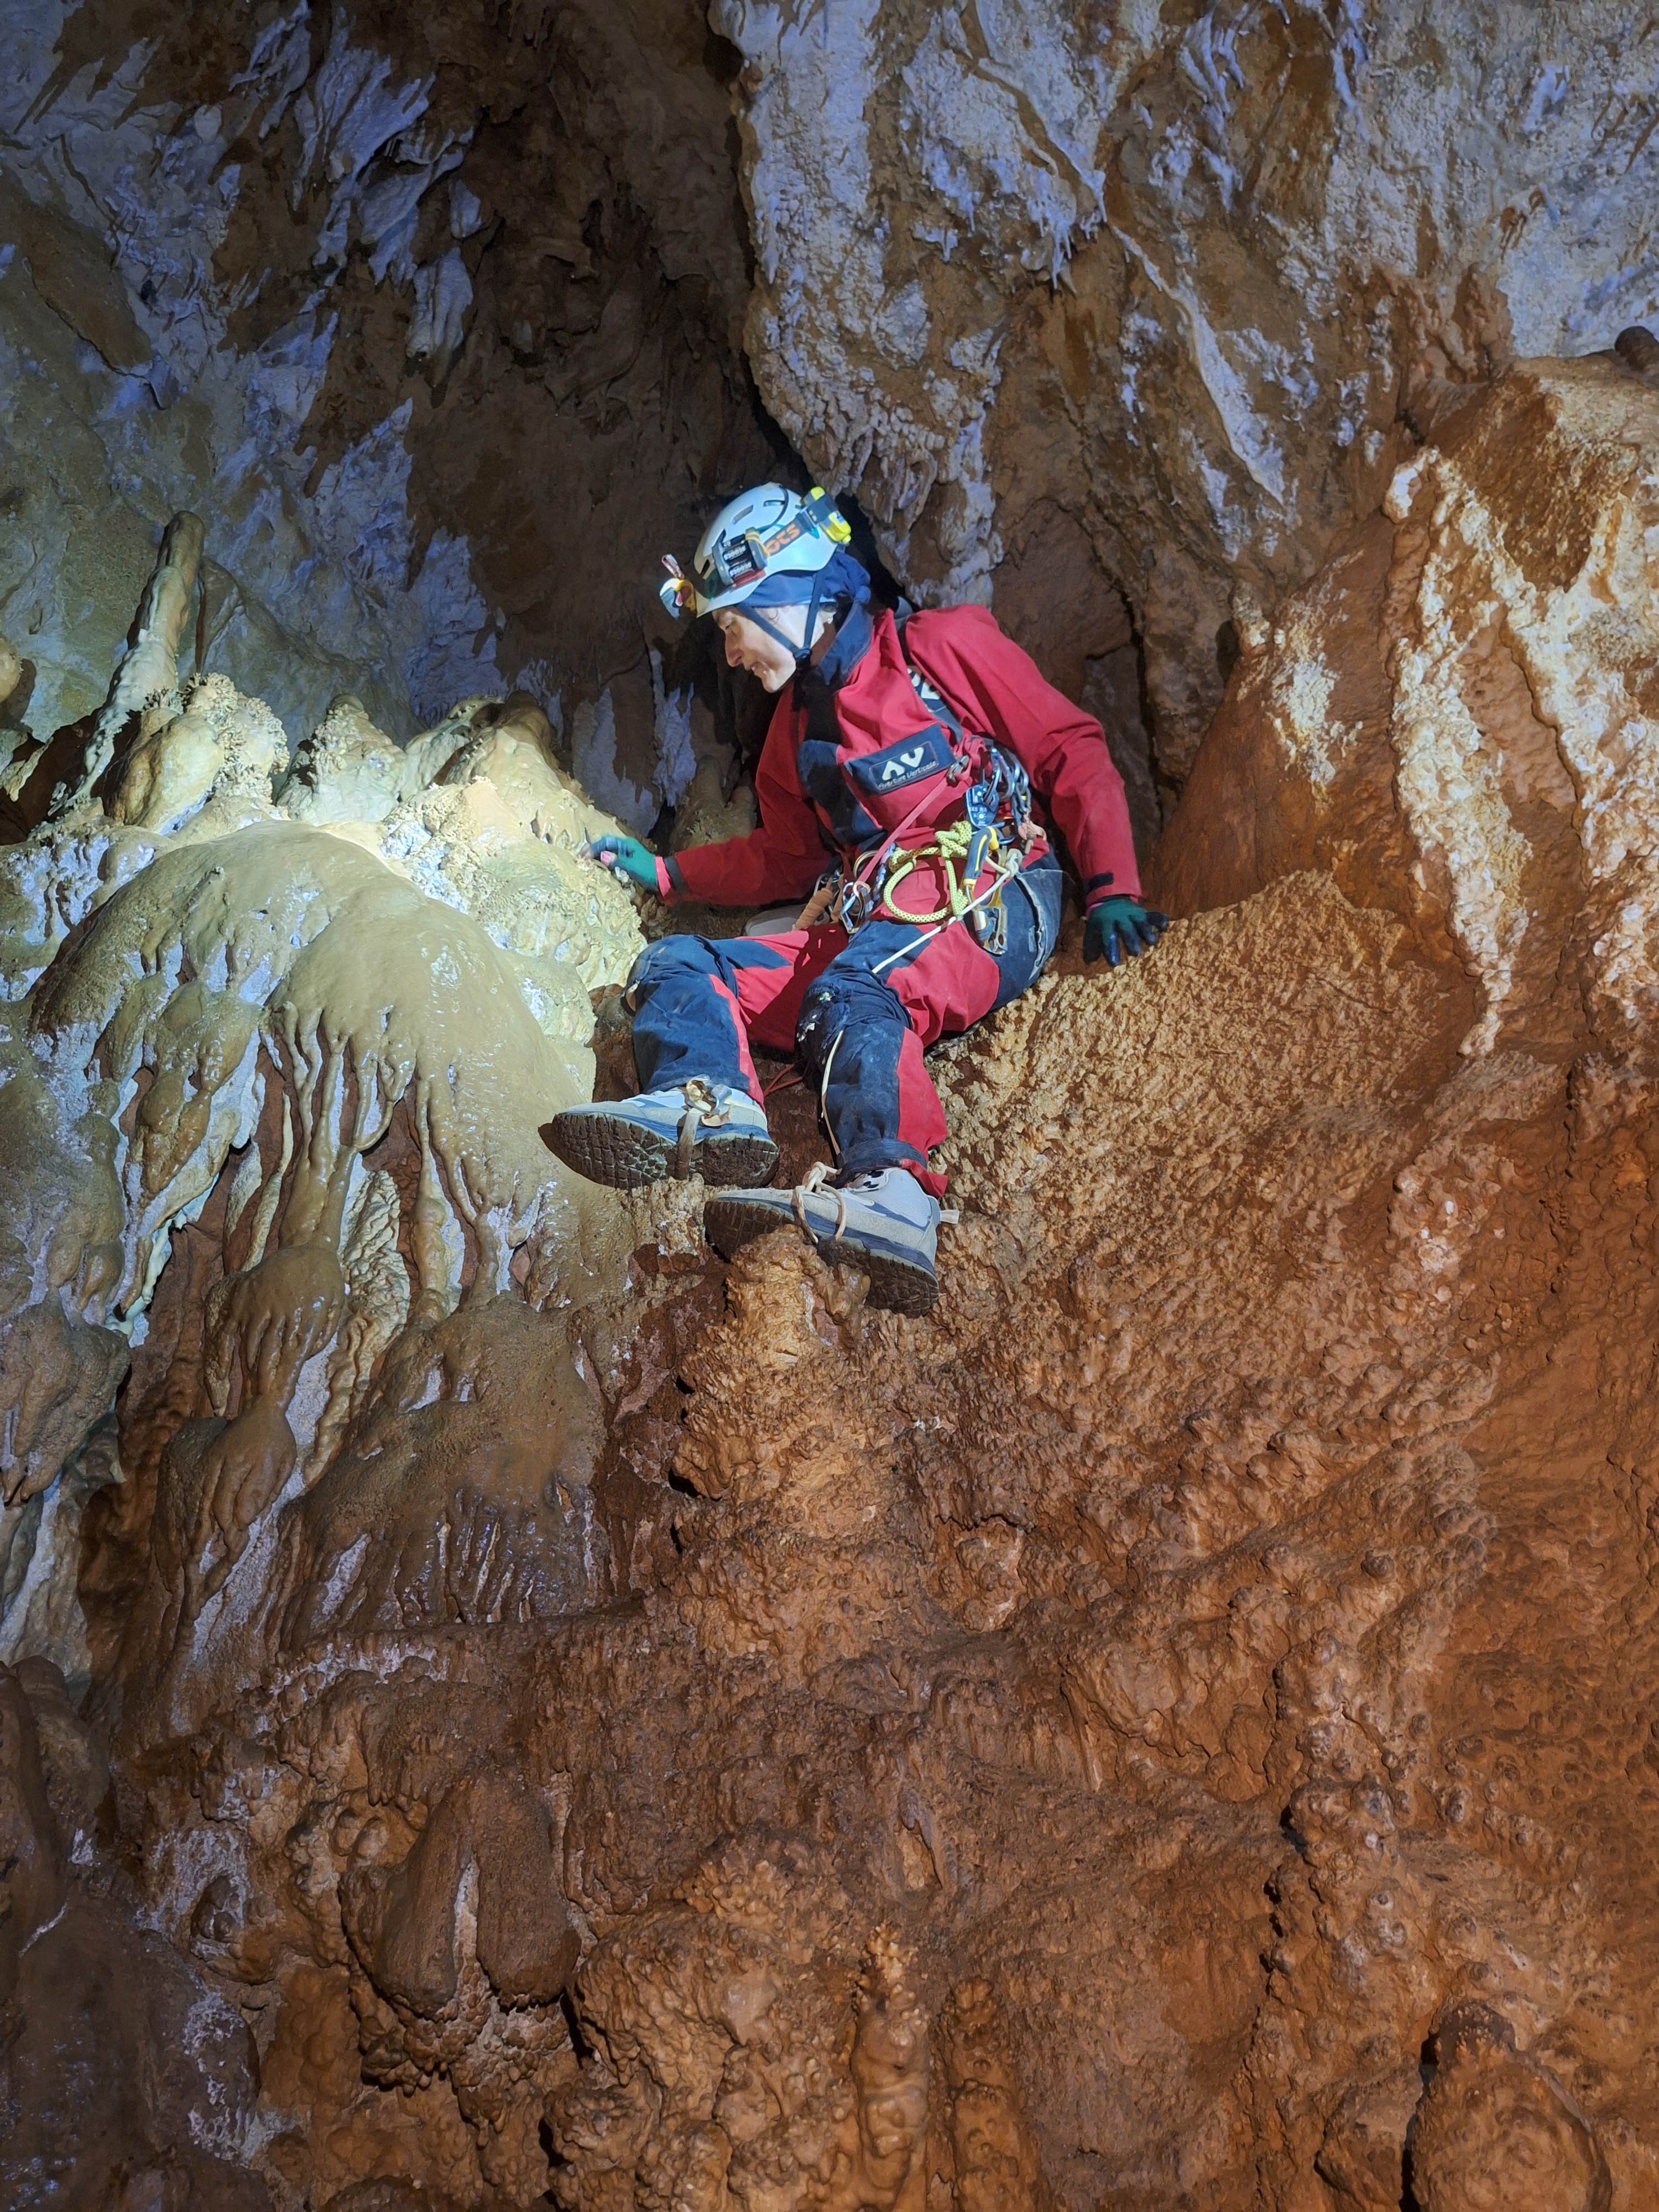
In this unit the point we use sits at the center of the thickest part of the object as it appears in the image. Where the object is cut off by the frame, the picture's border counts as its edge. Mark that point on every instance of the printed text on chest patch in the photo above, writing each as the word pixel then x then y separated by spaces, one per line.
pixel 895 767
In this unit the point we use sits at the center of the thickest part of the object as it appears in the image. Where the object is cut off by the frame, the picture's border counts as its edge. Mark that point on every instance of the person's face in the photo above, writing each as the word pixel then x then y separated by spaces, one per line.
pixel 747 646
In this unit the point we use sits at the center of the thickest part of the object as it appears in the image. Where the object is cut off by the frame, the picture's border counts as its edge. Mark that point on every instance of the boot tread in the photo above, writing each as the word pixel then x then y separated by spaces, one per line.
pixel 610 1149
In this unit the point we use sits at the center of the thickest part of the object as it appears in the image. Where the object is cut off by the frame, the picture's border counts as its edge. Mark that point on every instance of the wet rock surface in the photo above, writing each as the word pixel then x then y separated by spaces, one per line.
pixel 594 1725
pixel 389 296
pixel 448 319
pixel 498 1708
pixel 1147 297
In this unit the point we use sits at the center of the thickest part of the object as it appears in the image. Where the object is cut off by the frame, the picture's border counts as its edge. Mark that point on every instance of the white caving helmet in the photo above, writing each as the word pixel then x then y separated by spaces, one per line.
pixel 766 533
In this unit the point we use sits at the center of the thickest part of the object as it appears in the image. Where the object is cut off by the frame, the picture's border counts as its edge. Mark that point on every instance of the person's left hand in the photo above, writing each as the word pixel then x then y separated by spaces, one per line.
pixel 1119 929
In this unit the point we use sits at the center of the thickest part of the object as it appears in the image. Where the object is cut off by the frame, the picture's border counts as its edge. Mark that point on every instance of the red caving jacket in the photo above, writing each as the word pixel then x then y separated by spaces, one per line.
pixel 853 754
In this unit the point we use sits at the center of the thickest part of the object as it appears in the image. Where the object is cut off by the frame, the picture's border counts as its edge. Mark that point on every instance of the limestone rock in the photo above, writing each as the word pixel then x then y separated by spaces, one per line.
pixel 500 1706
pixel 1455 717
pixel 389 316
pixel 269 1090
pixel 220 746
pixel 1362 2158
pixel 250 1005
pixel 708 815
pixel 1495 2123
pixel 1143 305
pixel 1172 275
pixel 346 770
pixel 124 2078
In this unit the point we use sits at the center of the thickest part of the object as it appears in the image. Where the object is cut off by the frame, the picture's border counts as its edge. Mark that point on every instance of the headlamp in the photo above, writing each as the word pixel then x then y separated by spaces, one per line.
pixel 735 558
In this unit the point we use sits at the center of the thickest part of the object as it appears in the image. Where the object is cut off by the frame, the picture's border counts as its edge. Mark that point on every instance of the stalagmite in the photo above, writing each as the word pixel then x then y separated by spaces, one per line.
pixel 245 1014
pixel 147 678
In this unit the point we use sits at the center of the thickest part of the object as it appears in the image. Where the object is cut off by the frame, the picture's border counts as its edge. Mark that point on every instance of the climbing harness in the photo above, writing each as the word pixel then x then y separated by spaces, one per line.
pixel 853 901
pixel 702 1111
pixel 963 851
pixel 996 832
pixel 904 951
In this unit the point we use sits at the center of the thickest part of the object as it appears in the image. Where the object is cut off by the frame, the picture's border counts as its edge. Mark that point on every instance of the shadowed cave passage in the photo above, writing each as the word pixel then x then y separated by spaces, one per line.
pixel 502 1706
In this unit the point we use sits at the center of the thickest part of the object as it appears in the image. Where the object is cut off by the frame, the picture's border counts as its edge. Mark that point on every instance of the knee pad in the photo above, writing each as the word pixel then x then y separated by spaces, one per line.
pixel 837 1002
pixel 670 956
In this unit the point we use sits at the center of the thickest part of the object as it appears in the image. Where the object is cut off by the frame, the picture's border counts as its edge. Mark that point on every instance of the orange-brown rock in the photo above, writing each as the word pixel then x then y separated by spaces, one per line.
pixel 1173 1730
pixel 1454 718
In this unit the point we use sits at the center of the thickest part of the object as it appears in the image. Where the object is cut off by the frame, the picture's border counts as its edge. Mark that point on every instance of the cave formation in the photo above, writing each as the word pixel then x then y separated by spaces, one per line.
pixel 500 1707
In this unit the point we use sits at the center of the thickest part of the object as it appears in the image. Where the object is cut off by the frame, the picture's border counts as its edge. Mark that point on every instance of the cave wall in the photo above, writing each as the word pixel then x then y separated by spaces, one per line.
pixel 1174 271
pixel 435 316
pixel 500 1706
pixel 450 320
pixel 557 1718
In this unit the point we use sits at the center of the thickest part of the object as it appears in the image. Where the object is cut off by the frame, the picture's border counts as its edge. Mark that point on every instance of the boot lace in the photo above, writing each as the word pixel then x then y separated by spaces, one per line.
pixel 817 1183
pixel 702 1111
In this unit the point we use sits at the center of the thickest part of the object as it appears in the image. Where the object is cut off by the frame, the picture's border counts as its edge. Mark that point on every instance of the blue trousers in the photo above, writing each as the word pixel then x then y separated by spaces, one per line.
pixel 858 1011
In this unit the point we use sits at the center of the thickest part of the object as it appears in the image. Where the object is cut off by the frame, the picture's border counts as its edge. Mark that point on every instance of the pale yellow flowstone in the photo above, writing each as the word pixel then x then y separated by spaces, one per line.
pixel 220 984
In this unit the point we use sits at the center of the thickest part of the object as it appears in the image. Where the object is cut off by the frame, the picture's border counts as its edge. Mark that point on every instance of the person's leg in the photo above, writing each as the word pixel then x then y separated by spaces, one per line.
pixel 862 1056
pixel 1032 904
pixel 700 1110
pixel 951 981
pixel 689 1019
pixel 859 1048
pixel 897 990
pixel 864 1022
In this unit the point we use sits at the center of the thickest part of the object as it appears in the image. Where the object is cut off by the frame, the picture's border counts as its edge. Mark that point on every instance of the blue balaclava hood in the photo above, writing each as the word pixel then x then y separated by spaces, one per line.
pixel 843 578
pixel 771 548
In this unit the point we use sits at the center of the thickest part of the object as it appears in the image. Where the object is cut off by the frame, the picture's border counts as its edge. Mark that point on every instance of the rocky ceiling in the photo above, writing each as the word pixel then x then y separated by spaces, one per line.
pixel 449 320
pixel 502 1708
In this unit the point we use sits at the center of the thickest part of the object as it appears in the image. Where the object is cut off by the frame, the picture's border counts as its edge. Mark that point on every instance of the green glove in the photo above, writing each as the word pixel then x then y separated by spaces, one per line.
pixel 1121 929
pixel 625 856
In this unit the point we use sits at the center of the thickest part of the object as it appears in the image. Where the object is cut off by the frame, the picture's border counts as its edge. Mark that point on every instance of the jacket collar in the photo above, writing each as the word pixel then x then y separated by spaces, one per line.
pixel 841 658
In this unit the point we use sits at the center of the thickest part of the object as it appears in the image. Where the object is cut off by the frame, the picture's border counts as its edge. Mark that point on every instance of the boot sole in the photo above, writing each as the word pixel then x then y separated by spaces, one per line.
pixel 608 1149
pixel 897 1284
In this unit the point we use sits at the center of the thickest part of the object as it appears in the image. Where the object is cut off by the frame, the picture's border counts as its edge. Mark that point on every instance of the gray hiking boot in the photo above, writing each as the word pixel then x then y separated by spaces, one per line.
pixel 705 1129
pixel 884 1224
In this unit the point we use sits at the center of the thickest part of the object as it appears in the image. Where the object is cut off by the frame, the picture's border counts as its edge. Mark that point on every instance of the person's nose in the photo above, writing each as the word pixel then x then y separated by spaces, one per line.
pixel 733 651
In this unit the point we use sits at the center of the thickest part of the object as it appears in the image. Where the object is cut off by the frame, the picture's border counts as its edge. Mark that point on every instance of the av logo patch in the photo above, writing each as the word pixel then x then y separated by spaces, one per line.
pixel 912 760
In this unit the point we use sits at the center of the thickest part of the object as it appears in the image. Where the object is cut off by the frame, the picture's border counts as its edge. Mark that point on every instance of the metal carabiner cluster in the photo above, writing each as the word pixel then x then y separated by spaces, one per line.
pixel 852 903
pixel 998 803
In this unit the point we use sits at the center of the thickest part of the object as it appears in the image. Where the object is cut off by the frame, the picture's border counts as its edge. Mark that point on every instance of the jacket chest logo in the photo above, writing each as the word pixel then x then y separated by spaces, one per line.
pixel 911 760
pixel 906 764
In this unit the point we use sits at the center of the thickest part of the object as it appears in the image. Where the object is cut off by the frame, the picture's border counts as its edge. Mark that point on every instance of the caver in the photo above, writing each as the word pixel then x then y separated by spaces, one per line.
pixel 923 762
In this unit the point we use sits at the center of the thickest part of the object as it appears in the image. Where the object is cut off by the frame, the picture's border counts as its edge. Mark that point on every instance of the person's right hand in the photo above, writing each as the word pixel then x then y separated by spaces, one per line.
pixel 625 856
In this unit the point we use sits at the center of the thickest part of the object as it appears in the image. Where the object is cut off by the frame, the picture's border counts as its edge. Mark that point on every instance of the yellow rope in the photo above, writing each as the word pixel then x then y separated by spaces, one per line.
pixel 950 847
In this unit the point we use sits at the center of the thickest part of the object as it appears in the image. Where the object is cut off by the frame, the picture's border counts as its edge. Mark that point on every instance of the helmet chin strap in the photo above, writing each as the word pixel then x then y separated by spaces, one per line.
pixel 800 654
pixel 750 614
